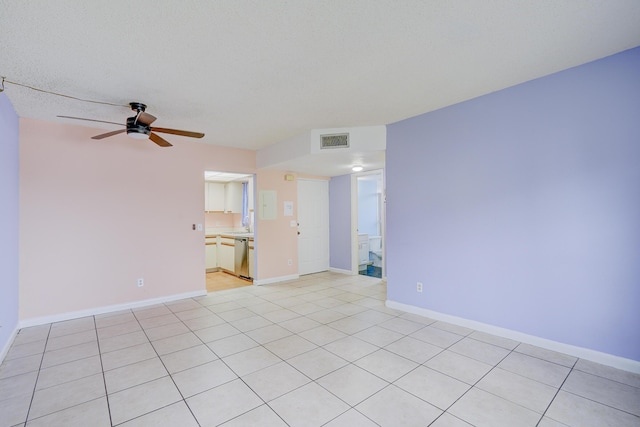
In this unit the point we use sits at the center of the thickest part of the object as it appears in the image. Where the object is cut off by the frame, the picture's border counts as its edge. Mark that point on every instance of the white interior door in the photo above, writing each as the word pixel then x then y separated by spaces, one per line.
pixel 313 220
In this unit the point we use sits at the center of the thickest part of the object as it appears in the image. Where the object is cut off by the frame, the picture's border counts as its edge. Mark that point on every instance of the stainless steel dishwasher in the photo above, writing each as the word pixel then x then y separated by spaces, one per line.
pixel 241 257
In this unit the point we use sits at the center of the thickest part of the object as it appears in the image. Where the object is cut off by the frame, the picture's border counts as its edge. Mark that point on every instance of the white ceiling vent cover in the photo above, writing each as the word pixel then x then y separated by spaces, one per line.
pixel 336 140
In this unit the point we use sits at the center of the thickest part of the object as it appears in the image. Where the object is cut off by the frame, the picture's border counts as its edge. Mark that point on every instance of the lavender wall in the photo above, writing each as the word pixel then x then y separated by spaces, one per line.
pixel 523 207
pixel 340 222
pixel 8 222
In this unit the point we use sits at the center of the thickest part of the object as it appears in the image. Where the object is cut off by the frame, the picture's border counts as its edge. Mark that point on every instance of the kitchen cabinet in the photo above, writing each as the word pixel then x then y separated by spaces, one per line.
pixel 226 254
pixel 214 197
pixel 211 253
pixel 220 197
pixel 233 197
pixel 251 261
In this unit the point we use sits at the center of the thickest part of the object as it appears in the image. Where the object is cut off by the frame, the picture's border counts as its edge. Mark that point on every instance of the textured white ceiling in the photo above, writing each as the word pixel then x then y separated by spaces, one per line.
pixel 251 73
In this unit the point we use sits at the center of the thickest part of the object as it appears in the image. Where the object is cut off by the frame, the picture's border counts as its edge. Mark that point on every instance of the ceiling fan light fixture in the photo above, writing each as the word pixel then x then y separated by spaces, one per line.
pixel 138 133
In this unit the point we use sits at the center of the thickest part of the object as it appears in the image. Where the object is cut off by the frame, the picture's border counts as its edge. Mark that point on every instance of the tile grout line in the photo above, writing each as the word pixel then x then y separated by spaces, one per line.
pixel 104 379
pixel 302 373
pixel 67 382
pixel 349 362
pixel 315 381
pixel 33 394
pixel 474 384
pixel 239 377
pixel 261 345
pixel 221 360
pixel 165 367
pixel 590 399
pixel 557 392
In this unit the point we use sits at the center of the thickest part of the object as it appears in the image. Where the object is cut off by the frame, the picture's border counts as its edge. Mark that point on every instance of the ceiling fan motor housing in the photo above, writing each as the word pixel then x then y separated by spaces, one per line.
pixel 137 129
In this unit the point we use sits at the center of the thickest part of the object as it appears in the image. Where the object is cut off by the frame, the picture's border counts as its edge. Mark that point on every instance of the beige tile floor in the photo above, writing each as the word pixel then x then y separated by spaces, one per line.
pixel 321 350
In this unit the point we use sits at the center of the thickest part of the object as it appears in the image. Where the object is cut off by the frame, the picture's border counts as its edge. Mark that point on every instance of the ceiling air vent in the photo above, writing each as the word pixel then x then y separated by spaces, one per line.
pixel 336 140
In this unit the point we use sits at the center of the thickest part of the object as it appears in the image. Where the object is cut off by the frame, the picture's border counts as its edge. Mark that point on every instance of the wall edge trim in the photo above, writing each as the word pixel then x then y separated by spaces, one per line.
pixel 5 349
pixel 36 321
pixel 614 361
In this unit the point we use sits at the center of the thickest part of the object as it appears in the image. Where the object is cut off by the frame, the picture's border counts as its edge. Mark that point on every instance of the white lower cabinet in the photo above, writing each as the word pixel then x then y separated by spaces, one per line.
pixel 211 257
pixel 211 254
pixel 226 254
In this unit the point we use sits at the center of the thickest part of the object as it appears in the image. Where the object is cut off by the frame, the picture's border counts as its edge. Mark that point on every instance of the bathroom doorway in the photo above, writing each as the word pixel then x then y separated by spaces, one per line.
pixel 370 194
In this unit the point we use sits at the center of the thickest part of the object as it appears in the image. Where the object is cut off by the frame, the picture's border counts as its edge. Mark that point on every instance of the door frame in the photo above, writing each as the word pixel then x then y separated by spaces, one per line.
pixel 253 194
pixel 354 220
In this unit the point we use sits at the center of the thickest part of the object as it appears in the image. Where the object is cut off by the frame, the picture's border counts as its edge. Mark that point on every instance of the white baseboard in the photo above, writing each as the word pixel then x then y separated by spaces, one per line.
pixel 106 309
pixel 580 352
pixel 341 271
pixel 7 346
pixel 276 279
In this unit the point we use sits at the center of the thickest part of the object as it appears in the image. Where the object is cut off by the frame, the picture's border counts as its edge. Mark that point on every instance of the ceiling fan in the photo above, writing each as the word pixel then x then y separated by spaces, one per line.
pixel 139 127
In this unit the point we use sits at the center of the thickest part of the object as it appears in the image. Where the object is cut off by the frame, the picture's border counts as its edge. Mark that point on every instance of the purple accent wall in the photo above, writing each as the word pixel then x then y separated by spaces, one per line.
pixel 9 167
pixel 340 222
pixel 521 208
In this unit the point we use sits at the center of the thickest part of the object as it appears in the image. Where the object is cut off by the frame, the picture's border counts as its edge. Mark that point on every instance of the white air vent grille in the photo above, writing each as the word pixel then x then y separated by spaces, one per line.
pixel 338 140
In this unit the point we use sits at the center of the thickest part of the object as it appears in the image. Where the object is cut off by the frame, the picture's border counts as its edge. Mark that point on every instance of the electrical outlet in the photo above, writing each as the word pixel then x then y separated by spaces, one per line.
pixel 289 262
pixel 419 286
pixel 140 282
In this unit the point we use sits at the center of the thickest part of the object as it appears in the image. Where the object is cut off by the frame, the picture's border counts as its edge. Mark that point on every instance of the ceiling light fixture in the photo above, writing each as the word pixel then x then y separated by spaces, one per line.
pixel 138 133
pixel 357 168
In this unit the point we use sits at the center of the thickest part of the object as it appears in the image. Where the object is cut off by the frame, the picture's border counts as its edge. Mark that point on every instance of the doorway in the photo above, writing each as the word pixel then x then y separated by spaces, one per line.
pixel 229 216
pixel 370 223
pixel 313 226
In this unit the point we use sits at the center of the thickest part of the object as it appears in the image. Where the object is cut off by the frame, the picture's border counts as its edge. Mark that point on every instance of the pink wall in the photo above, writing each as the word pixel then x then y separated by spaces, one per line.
pixel 278 234
pixel 273 263
pixel 97 215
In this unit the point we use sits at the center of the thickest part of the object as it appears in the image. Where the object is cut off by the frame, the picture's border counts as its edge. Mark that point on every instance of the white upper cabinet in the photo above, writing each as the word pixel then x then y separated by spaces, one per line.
pixel 226 197
pixel 233 197
pixel 214 195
